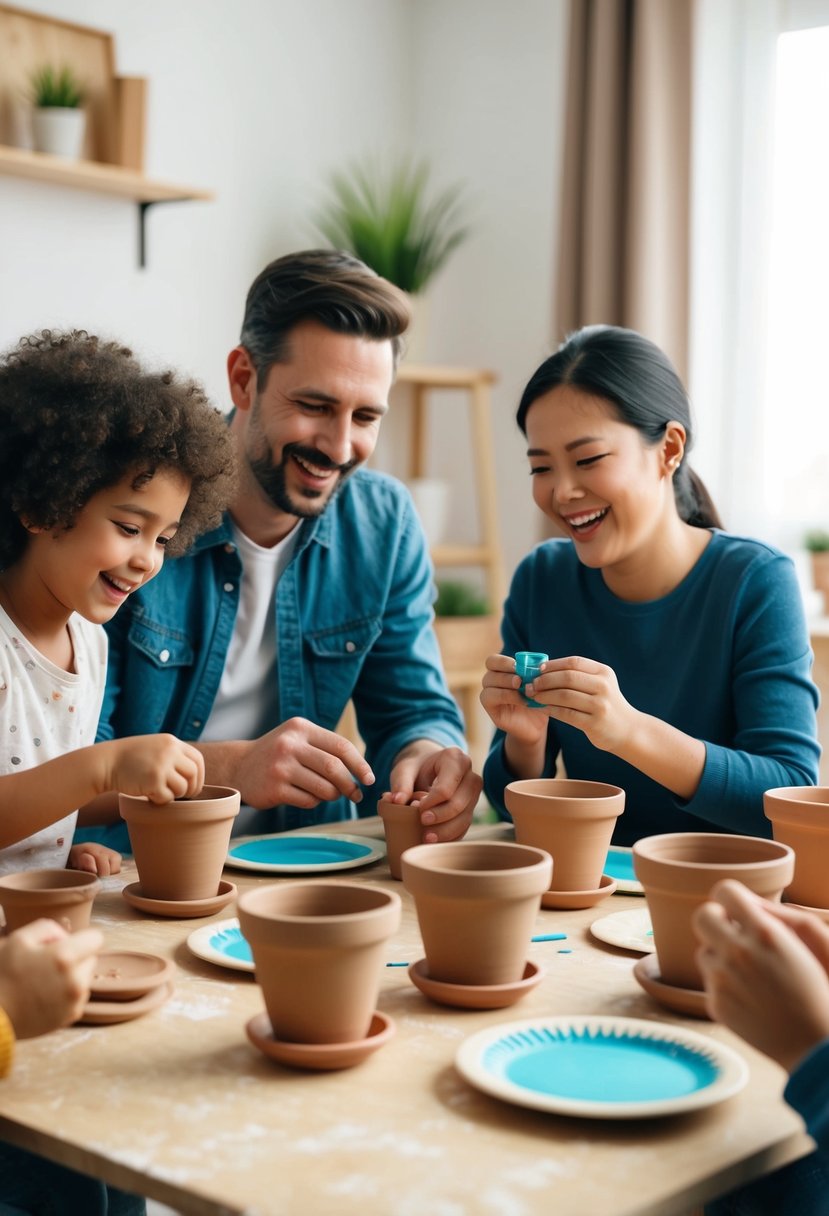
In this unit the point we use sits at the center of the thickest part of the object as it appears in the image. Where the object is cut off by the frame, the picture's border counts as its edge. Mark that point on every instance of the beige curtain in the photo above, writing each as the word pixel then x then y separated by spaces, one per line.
pixel 624 236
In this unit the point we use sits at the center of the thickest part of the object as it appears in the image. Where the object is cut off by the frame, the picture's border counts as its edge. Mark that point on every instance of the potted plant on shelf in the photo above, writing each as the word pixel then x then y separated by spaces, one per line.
pixel 467 631
pixel 817 543
pixel 391 221
pixel 59 120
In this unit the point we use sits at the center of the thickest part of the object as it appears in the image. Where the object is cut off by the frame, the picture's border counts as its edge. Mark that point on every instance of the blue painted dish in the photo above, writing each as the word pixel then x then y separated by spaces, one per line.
pixel 222 944
pixel 304 853
pixel 601 1067
pixel 619 865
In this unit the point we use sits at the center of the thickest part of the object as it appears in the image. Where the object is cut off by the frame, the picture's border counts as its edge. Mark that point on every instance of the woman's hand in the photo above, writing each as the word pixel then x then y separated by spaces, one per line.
pixel 507 707
pixel 586 695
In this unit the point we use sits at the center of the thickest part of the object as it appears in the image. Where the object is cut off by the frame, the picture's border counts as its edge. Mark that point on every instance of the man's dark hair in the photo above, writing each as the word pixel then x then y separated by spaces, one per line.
pixel 325 285
pixel 78 414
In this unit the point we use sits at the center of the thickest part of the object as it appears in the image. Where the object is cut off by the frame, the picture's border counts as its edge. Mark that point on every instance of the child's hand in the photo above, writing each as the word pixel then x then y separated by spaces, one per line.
pixel 506 706
pixel 94 859
pixel 762 978
pixel 160 767
pixel 45 974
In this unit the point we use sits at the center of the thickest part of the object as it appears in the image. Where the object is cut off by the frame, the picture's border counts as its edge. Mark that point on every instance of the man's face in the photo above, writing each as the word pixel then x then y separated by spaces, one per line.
pixel 316 419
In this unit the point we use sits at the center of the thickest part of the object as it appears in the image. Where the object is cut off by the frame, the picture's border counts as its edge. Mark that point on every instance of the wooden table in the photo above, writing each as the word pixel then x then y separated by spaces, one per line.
pixel 179 1106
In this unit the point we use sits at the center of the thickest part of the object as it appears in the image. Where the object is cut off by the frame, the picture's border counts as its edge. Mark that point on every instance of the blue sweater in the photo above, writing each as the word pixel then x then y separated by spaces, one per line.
pixel 724 657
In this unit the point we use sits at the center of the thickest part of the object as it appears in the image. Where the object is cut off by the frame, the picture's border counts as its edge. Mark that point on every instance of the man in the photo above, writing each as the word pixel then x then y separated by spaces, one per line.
pixel 316 589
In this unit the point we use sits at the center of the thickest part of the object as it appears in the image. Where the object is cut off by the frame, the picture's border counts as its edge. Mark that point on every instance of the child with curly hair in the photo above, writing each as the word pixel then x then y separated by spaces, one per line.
pixel 105 469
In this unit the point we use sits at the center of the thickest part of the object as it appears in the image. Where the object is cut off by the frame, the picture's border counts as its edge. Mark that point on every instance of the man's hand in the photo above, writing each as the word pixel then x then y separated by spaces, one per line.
pixel 301 764
pixel 452 788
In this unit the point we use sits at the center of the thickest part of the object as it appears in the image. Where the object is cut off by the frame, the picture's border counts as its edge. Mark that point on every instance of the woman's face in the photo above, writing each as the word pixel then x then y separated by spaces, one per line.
pixel 597 479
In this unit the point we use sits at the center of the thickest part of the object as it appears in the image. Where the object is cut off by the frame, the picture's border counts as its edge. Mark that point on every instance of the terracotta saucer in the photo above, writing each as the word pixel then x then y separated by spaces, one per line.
pixel 104 1013
pixel 182 908
pixel 319 1056
pixel 125 975
pixel 681 1000
pixel 570 900
pixel 821 913
pixel 474 996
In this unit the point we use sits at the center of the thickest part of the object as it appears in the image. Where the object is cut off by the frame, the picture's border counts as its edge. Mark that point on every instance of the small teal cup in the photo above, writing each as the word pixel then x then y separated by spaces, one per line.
pixel 528 666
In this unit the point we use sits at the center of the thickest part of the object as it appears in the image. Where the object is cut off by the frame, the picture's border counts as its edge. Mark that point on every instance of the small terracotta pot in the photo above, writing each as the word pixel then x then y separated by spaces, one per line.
pixel 476 903
pixel 403 829
pixel 800 818
pixel 180 847
pixel 573 821
pixel 318 955
pixel 62 895
pixel 677 871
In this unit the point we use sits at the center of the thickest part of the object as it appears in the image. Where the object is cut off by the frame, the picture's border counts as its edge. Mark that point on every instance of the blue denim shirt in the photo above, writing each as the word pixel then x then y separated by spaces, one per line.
pixel 353 621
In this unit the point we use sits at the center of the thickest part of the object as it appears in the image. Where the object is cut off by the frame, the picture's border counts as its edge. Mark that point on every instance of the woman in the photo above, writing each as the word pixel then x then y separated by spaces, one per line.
pixel 680 661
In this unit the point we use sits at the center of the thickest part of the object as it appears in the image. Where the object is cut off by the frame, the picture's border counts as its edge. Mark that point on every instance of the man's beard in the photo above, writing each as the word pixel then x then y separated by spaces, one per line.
pixel 273 481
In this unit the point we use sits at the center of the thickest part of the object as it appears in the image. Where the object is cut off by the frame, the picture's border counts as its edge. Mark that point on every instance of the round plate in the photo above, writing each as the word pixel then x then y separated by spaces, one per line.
pixel 105 1013
pixel 319 1056
pixel 474 996
pixel 181 908
pixel 619 865
pixel 631 930
pixel 222 943
pixel 690 1001
pixel 601 1067
pixel 302 853
pixel 125 975
pixel 570 900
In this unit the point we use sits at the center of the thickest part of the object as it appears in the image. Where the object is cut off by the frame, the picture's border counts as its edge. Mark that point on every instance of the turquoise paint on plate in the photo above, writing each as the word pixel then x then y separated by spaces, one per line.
pixel 299 851
pixel 620 865
pixel 231 943
pixel 599 1067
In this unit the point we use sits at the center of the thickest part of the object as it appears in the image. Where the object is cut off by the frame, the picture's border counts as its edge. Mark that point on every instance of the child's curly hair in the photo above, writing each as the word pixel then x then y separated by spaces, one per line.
pixel 78 414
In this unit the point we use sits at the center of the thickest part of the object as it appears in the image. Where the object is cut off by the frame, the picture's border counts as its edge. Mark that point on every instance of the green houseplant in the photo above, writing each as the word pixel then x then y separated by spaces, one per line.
pixel 59 121
pixel 817 543
pixel 389 218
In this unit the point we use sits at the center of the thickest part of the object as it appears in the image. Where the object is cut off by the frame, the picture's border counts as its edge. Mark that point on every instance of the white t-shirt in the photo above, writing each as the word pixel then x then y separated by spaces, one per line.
pixel 247 703
pixel 46 712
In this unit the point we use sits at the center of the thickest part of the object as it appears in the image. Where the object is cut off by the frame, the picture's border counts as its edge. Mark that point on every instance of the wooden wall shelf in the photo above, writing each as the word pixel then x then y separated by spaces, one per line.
pixel 115 108
pixel 101 179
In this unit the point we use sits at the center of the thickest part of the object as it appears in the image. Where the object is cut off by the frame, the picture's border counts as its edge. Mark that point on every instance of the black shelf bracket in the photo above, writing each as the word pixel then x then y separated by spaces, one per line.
pixel 143 208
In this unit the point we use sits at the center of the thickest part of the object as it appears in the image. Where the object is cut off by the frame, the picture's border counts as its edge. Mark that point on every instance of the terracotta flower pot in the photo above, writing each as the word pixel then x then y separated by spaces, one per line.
pixel 476 904
pixel 180 847
pixel 403 829
pixel 677 871
pixel 62 895
pixel 573 821
pixel 800 818
pixel 318 955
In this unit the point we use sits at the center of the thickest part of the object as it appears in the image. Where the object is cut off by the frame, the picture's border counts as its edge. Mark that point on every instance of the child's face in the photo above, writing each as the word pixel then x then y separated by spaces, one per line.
pixel 115 545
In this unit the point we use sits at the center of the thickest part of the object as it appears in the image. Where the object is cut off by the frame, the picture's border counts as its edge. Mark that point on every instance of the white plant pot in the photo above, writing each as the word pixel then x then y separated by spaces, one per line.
pixel 59 131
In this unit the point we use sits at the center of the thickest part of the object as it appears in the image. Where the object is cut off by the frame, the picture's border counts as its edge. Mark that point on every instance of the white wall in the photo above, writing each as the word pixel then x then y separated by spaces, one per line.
pixel 258 100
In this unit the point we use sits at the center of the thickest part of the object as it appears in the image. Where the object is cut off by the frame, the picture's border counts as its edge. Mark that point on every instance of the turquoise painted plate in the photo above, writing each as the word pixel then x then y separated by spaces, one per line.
pixel 619 865
pixel 303 853
pixel 601 1067
pixel 222 943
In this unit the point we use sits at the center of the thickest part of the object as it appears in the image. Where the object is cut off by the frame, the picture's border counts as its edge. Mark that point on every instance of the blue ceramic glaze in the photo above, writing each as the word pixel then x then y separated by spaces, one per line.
pixel 599 1066
pixel 231 943
pixel 299 851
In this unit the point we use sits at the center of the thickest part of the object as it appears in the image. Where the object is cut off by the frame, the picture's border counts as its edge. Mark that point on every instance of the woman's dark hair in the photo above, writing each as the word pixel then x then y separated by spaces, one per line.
pixel 323 285
pixel 640 382
pixel 78 414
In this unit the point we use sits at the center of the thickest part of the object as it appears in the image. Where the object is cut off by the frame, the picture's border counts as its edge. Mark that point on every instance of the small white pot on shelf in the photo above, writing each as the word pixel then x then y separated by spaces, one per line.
pixel 59 131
